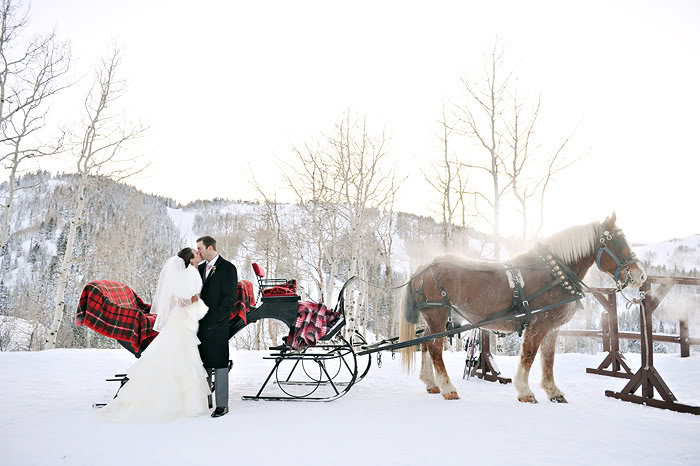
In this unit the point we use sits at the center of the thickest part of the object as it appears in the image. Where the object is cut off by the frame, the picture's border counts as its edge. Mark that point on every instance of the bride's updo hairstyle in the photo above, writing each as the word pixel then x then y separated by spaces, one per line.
pixel 186 255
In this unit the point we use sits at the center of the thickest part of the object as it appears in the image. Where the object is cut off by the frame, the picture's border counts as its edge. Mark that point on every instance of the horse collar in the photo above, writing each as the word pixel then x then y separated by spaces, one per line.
pixel 561 272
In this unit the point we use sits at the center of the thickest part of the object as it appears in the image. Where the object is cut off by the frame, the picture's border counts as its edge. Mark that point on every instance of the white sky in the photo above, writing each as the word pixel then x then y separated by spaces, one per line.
pixel 224 85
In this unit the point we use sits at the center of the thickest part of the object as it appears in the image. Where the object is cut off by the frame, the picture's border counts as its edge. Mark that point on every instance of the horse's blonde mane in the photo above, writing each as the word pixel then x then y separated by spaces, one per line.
pixel 574 243
pixel 569 245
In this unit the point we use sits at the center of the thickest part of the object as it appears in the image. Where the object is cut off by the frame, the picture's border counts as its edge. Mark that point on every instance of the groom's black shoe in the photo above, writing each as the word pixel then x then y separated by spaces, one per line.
pixel 220 411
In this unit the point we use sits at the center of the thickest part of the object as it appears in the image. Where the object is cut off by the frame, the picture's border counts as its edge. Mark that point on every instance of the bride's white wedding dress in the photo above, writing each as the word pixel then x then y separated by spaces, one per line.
pixel 168 381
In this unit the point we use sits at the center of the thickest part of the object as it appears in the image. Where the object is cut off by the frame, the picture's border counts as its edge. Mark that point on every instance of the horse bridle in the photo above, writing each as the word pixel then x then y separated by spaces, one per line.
pixel 613 252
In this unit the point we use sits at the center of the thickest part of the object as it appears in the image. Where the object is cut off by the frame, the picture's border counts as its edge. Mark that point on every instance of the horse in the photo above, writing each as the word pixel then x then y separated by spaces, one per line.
pixel 534 293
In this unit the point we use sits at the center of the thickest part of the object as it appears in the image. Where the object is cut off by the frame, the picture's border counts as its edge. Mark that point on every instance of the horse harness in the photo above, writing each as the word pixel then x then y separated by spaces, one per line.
pixel 617 238
pixel 520 309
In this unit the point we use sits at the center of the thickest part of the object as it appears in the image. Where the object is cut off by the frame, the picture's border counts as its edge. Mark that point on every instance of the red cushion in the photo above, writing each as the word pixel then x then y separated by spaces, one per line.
pixel 259 271
pixel 279 291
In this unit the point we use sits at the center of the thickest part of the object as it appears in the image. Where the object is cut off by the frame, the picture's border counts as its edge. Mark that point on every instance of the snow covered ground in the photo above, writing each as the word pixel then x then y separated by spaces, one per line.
pixel 387 419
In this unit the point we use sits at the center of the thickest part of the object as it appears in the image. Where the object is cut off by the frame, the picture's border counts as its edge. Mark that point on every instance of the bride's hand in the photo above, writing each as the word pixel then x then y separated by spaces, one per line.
pixel 195 298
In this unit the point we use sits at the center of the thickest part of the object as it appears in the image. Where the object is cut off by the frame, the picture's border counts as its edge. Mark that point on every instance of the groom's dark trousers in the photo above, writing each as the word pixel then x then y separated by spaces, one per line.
pixel 219 294
pixel 221 377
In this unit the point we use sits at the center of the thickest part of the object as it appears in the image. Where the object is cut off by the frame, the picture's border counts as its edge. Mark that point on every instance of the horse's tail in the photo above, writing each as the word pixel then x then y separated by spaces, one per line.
pixel 409 318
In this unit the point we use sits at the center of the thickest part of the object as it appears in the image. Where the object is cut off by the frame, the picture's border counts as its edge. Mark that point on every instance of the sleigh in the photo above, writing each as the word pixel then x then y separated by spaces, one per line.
pixel 315 362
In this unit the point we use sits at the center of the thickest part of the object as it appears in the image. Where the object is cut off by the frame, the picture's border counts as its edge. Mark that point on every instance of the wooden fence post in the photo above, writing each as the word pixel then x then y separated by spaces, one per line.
pixel 685 338
pixel 615 359
pixel 486 367
pixel 605 328
pixel 647 377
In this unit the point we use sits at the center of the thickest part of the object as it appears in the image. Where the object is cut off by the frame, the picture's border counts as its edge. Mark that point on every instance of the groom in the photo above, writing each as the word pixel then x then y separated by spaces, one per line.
pixel 219 279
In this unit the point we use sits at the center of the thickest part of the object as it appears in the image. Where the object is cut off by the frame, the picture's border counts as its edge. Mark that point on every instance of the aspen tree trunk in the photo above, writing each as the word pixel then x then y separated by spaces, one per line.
pixel 375 305
pixel 60 307
pixel 5 231
pixel 354 270
pixel 364 293
pixel 332 277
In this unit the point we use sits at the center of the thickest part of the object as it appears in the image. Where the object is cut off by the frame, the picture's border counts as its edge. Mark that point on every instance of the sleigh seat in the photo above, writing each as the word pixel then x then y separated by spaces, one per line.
pixel 273 287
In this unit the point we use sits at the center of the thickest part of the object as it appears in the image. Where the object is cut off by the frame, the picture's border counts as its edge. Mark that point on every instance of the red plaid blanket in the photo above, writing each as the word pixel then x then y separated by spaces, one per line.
pixel 113 309
pixel 246 298
pixel 313 322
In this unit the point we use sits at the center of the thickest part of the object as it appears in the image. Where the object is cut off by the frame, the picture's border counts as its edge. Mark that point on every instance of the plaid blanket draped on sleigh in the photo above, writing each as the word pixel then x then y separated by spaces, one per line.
pixel 113 309
pixel 313 322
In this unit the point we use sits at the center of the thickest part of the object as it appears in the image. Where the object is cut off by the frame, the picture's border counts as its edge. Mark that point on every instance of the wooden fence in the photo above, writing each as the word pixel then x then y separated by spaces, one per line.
pixel 647 377
pixel 609 329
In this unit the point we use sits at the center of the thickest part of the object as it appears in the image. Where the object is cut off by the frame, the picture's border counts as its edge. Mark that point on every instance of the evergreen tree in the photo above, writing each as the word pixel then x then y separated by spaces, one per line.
pixel 4 298
pixel 62 240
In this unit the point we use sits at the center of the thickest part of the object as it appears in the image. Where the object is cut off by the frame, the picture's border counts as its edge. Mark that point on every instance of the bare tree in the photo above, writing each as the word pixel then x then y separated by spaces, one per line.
pixel 358 160
pixel 481 117
pixel 310 178
pixel 556 163
pixel 385 232
pixel 337 183
pixel 443 180
pixel 520 138
pixel 514 162
pixel 99 153
pixel 272 242
pixel 31 74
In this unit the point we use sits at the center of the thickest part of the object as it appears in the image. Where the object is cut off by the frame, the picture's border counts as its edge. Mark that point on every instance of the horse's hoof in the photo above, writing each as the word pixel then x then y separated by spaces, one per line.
pixel 558 399
pixel 527 399
pixel 451 396
pixel 433 390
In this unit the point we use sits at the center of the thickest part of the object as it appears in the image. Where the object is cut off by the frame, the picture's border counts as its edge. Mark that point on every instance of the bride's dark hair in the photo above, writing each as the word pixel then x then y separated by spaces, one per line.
pixel 186 254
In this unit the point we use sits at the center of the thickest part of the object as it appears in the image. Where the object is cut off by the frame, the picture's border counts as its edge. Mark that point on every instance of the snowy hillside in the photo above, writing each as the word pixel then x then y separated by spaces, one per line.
pixel 387 419
pixel 676 256
pixel 127 235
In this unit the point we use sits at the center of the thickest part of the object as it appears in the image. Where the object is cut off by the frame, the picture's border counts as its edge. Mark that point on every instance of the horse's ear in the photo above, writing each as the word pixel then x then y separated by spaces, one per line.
pixel 609 222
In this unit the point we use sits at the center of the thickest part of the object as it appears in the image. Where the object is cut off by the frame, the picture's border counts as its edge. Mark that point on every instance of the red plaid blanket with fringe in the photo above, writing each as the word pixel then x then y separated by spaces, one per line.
pixel 113 309
pixel 246 299
pixel 313 322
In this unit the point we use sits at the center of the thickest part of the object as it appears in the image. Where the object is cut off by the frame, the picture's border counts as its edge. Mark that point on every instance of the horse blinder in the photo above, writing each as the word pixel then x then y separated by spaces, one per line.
pixel 621 264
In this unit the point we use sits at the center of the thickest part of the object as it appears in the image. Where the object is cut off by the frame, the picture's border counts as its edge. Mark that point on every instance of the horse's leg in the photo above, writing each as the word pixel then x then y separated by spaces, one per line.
pixel 547 349
pixel 426 371
pixel 533 336
pixel 436 321
pixel 449 392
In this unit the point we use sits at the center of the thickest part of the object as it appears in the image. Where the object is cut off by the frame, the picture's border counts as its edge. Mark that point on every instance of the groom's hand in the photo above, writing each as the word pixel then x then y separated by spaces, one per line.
pixel 195 298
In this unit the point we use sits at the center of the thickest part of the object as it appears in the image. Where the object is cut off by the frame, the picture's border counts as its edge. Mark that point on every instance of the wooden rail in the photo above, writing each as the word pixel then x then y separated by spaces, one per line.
pixel 630 336
pixel 676 280
pixel 610 333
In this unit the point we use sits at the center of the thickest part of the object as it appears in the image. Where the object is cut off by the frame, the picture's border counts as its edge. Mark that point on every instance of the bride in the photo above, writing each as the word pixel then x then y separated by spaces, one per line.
pixel 169 380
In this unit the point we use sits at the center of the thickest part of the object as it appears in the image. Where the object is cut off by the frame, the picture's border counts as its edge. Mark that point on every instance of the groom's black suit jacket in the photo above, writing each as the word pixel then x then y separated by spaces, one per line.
pixel 219 294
